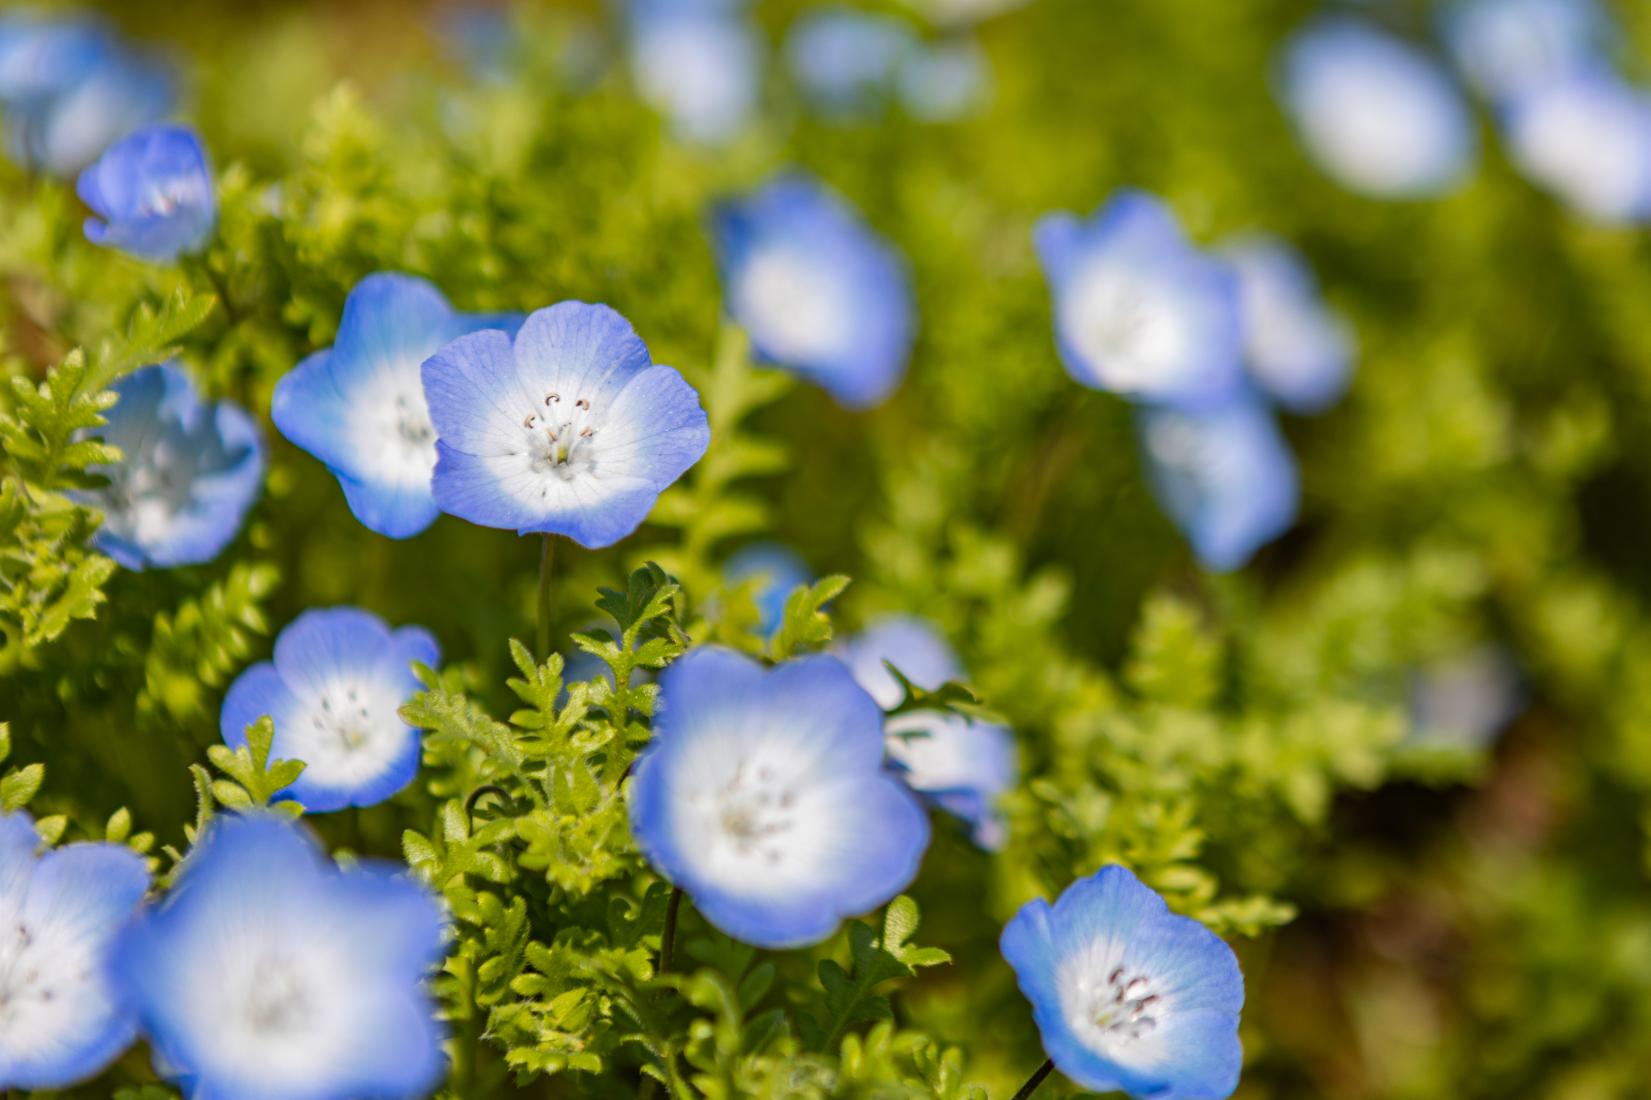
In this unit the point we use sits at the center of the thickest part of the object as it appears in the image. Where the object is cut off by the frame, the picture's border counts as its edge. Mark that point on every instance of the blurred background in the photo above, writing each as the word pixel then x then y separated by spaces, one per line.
pixel 1399 751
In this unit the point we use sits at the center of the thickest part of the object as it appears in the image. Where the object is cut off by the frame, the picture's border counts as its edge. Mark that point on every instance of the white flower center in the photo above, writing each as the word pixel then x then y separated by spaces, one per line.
pixel 166 196
pixel 348 732
pixel 755 812
pixel 1125 1007
pixel 146 492
pixel 400 443
pixel 791 304
pixel 558 435
pixel 50 986
pixel 1123 326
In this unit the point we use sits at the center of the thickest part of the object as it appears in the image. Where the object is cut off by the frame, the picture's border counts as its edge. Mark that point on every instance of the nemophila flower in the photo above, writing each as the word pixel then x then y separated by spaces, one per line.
pixel 776 572
pixel 763 796
pixel 42 57
pixel 571 430
pixel 944 81
pixel 1380 117
pixel 268 974
pixel 1507 47
pixel 844 60
pixel 700 64
pixel 1139 311
pixel 1587 138
pixel 1466 699
pixel 60 1022
pixel 152 193
pixel 1225 475
pixel 64 132
pixel 820 294
pixel 359 405
pixel 960 764
pixel 332 692
pixel 1298 351
pixel 1126 994
pixel 188 475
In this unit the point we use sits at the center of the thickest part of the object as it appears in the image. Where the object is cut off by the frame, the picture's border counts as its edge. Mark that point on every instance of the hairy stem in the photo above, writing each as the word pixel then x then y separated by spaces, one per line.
pixel 547 565
pixel 1035 1080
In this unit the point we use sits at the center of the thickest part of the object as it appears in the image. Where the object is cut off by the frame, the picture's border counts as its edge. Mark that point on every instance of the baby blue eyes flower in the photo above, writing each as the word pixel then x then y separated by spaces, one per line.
pixel 945 81
pixel 359 406
pixel 1380 117
pixel 1508 47
pixel 571 430
pixel 776 571
pixel 189 474
pixel 699 63
pixel 1139 311
pixel 1225 475
pixel 40 58
pixel 333 691
pixel 1587 137
pixel 60 1021
pixel 845 61
pixel 152 193
pixel 960 764
pixel 64 132
pixel 819 293
pixel 763 797
pixel 1127 995
pixel 1298 351
pixel 268 974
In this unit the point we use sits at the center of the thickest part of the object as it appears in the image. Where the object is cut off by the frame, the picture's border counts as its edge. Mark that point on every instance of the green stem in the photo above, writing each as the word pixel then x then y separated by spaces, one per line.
pixel 1035 1080
pixel 667 938
pixel 547 564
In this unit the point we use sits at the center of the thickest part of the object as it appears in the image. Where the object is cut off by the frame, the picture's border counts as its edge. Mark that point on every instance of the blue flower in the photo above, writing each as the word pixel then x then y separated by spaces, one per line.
pixel 820 294
pixel 943 82
pixel 1225 475
pixel 188 476
pixel 153 191
pixel 41 58
pixel 572 430
pixel 359 406
pixel 268 974
pixel 1587 138
pixel 1380 117
pixel 763 796
pixel 60 1022
pixel 960 764
pixel 844 60
pixel 67 130
pixel 1138 310
pixel 1298 351
pixel 701 64
pixel 333 691
pixel 1126 994
pixel 1465 699
pixel 1507 47
pixel 776 570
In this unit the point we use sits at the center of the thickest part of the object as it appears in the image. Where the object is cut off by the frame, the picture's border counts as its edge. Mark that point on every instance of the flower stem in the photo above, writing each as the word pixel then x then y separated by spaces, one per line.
pixel 667 938
pixel 547 563
pixel 1035 1080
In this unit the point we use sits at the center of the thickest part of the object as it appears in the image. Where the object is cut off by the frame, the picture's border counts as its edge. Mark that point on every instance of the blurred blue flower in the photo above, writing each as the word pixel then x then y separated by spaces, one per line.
pixel 1466 699
pixel 1380 117
pixel 43 57
pixel 944 81
pixel 188 475
pixel 1587 138
pixel 60 1022
pixel 1139 311
pixel 1508 47
pixel 960 764
pixel 67 130
pixel 359 406
pixel 153 194
pixel 332 692
pixel 1225 475
pixel 845 61
pixel 1298 351
pixel 570 430
pixel 268 974
pixel 777 571
pixel 699 63
pixel 763 796
pixel 1126 994
pixel 820 294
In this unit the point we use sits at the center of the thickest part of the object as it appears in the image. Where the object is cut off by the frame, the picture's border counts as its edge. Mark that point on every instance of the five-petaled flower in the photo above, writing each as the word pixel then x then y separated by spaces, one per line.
pixel 961 764
pixel 189 472
pixel 1126 994
pixel 1298 351
pixel 763 796
pixel 1139 311
pixel 1225 475
pixel 359 406
pixel 332 692
pixel 268 974
pixel 60 1022
pixel 820 294
pixel 152 193
pixel 570 430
